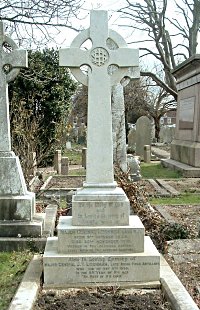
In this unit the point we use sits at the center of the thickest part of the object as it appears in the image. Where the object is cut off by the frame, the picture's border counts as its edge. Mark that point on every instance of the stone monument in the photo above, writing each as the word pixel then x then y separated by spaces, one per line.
pixel 118 112
pixel 100 244
pixel 143 135
pixel 17 205
pixel 185 148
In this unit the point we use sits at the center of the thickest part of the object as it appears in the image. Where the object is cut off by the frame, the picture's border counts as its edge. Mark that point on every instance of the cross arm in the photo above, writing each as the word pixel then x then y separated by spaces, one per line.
pixel 73 57
pixel 17 58
pixel 125 57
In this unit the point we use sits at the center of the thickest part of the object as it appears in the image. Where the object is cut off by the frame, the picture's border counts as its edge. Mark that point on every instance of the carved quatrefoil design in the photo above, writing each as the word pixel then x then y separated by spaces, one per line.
pixel 99 56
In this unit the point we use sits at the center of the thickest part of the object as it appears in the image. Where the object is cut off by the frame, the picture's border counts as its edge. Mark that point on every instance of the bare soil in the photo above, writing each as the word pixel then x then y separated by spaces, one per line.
pixel 101 299
pixel 191 185
pixel 66 182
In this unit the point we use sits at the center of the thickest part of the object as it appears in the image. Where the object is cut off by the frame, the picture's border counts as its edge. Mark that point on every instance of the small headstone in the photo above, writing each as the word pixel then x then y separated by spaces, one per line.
pixel 147 153
pixel 64 165
pixel 134 167
pixel 143 135
pixel 84 151
pixel 57 161
pixel 132 138
pixel 68 145
pixel 167 134
pixel 82 134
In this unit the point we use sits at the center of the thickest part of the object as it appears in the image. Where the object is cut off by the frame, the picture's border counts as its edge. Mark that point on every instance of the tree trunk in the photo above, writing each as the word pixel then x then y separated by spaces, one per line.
pixel 157 128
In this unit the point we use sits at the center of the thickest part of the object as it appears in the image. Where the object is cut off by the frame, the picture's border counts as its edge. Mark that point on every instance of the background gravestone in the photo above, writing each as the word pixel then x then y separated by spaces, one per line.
pixel 17 205
pixel 132 138
pixel 185 148
pixel 143 135
pixel 167 134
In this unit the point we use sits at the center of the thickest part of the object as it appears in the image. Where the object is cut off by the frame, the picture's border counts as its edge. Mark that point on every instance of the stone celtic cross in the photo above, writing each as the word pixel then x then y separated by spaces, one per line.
pixel 11 59
pixel 99 59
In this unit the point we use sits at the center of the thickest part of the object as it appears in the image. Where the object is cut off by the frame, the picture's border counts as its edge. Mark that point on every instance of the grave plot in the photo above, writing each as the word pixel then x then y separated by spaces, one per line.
pixel 102 298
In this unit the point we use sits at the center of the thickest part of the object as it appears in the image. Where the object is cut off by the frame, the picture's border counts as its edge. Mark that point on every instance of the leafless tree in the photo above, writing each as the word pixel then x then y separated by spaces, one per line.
pixel 153 18
pixel 141 98
pixel 38 20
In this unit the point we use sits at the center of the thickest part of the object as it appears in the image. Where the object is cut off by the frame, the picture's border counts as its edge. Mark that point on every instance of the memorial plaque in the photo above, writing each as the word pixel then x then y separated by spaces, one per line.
pixel 108 268
pixel 117 239
pixel 186 113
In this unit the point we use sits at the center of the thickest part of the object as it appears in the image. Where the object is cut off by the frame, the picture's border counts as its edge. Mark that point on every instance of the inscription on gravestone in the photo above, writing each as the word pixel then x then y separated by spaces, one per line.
pixel 186 113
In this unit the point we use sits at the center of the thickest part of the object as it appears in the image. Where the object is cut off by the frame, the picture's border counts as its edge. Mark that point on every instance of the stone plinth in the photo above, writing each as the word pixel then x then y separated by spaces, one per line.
pixel 69 270
pixel 100 207
pixel 16 203
pixel 185 148
pixel 100 239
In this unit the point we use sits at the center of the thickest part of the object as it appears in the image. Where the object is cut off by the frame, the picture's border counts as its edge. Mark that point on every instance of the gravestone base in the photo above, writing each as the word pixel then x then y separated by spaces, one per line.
pixel 100 206
pixel 187 152
pixel 17 208
pixel 22 229
pixel 76 270
pixel 187 171
pixel 17 204
pixel 100 239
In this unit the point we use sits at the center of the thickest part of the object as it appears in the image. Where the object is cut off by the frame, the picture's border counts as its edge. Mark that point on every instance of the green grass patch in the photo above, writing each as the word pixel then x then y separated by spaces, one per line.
pixel 12 268
pixel 184 199
pixel 74 155
pixel 77 172
pixel 156 171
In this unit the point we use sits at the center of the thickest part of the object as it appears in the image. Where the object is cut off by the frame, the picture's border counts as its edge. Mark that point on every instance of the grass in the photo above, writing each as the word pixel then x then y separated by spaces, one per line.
pixel 12 268
pixel 77 172
pixel 183 199
pixel 74 155
pixel 156 171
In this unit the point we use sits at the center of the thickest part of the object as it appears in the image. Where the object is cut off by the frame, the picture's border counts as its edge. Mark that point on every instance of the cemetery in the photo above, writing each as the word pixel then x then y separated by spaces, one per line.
pixel 108 225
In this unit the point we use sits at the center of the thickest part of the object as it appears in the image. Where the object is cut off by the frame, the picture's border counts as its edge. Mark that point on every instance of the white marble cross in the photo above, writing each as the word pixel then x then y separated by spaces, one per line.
pixel 99 171
pixel 10 60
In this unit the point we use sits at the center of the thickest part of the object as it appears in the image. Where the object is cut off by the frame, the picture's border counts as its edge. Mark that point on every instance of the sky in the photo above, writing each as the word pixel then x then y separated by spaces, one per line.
pixel 65 38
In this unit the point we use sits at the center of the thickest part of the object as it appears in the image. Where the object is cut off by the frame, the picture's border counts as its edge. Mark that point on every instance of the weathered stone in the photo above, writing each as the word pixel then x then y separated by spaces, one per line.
pixel 84 151
pixel 147 153
pixel 185 148
pixel 143 134
pixel 64 165
pixel 57 161
pixel 16 203
pixel 89 269
pixel 95 239
pixel 100 210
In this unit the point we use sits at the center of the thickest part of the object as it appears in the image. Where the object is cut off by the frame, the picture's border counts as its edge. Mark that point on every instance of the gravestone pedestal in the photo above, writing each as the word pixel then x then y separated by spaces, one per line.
pixel 185 148
pixel 17 204
pixel 100 245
